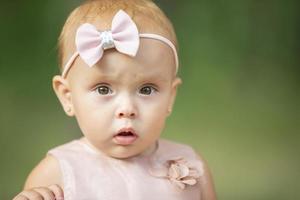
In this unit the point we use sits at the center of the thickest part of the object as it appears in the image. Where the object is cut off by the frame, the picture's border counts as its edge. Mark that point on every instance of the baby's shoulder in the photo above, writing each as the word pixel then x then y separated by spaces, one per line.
pixel 173 143
pixel 185 154
pixel 46 172
pixel 70 150
pixel 71 146
pixel 175 148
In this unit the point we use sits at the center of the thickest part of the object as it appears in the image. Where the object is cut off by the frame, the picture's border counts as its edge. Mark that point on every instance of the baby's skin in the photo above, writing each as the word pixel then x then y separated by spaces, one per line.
pixel 132 77
pixel 52 192
pixel 136 93
pixel 44 182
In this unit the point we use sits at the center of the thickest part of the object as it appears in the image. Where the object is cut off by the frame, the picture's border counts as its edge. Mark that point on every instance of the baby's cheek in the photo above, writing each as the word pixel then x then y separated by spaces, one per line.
pixel 89 123
pixel 156 119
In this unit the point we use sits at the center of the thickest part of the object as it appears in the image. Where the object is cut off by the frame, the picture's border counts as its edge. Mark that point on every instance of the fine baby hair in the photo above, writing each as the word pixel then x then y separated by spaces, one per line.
pixel 118 62
pixel 123 36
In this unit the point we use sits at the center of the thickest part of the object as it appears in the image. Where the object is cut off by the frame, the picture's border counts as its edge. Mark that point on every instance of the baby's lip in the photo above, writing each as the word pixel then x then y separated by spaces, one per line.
pixel 126 130
pixel 125 136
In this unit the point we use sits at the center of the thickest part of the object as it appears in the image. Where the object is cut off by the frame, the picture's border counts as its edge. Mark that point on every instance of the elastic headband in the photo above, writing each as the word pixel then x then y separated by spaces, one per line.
pixel 123 36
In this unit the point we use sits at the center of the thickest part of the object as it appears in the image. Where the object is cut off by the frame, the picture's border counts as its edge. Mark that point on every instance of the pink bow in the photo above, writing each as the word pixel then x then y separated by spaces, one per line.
pixel 123 36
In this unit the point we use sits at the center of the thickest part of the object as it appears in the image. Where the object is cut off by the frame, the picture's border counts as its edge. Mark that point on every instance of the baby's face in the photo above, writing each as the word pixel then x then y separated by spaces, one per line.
pixel 121 104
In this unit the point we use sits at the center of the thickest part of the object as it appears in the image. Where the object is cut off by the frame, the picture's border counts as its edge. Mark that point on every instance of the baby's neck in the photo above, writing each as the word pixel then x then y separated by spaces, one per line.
pixel 152 149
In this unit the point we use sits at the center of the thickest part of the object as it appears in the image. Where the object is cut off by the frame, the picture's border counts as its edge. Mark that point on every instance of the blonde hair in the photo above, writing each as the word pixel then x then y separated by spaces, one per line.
pixel 148 17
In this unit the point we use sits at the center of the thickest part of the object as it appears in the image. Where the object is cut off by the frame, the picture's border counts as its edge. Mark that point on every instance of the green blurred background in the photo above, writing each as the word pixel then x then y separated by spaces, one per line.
pixel 238 106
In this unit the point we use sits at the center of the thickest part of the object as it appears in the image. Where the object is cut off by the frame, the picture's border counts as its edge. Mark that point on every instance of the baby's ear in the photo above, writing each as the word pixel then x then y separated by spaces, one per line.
pixel 63 92
pixel 176 82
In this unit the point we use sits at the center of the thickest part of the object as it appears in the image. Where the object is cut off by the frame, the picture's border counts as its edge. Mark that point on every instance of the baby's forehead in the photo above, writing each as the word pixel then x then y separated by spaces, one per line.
pixel 154 61
pixel 132 74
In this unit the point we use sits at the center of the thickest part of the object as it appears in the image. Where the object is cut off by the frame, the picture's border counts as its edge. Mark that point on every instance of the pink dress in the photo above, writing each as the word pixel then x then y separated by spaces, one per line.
pixel 171 172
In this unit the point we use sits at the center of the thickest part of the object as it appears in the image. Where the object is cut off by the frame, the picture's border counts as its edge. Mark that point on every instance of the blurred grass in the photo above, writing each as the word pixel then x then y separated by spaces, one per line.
pixel 238 105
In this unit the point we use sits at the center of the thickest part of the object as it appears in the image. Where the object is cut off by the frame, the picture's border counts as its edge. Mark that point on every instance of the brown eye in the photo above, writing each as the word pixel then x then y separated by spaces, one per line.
pixel 147 90
pixel 104 90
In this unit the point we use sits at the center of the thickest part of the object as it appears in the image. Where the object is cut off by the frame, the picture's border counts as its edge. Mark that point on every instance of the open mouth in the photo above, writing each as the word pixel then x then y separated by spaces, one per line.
pixel 125 134
pixel 125 137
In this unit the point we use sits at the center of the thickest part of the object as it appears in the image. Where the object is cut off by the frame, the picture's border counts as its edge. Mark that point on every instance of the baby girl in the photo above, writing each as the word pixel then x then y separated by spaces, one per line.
pixel 119 79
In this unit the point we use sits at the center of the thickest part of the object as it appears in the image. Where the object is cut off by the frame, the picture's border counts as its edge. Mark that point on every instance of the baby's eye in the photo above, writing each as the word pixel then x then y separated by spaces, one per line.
pixel 103 90
pixel 147 90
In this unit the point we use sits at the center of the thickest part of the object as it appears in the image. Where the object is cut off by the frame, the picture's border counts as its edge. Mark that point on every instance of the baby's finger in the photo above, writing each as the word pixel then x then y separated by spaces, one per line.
pixel 29 195
pixel 46 193
pixel 58 192
pixel 20 197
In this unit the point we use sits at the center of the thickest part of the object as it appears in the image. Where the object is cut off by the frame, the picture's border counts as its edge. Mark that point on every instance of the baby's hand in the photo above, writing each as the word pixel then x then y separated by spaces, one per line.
pixel 52 192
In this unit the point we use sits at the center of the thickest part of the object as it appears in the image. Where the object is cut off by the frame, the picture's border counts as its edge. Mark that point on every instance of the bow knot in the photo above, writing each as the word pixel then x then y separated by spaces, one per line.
pixel 107 40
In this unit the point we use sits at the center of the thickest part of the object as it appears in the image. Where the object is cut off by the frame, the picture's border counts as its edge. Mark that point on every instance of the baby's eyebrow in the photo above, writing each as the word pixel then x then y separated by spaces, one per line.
pixel 105 78
pixel 117 77
pixel 150 76
pixel 159 78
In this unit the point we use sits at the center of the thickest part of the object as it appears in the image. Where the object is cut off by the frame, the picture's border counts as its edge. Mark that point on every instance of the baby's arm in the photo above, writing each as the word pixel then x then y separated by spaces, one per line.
pixel 206 183
pixel 44 182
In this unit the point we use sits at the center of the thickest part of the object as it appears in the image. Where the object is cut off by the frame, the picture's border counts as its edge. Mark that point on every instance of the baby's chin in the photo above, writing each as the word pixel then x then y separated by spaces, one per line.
pixel 123 152
pixel 130 151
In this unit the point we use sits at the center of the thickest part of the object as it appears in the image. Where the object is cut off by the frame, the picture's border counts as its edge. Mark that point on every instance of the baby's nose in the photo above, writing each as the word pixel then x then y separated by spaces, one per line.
pixel 126 109
pixel 126 114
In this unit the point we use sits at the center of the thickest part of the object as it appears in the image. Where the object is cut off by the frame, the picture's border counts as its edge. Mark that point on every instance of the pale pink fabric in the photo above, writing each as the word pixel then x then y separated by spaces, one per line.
pixel 124 36
pixel 90 175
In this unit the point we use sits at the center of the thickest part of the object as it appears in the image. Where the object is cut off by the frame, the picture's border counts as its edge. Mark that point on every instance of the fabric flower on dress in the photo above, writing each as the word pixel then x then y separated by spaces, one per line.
pixel 179 171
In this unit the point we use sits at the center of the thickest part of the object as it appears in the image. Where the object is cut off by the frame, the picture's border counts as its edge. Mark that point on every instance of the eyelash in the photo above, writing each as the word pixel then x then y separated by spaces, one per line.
pixel 103 86
pixel 152 90
pixel 108 91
